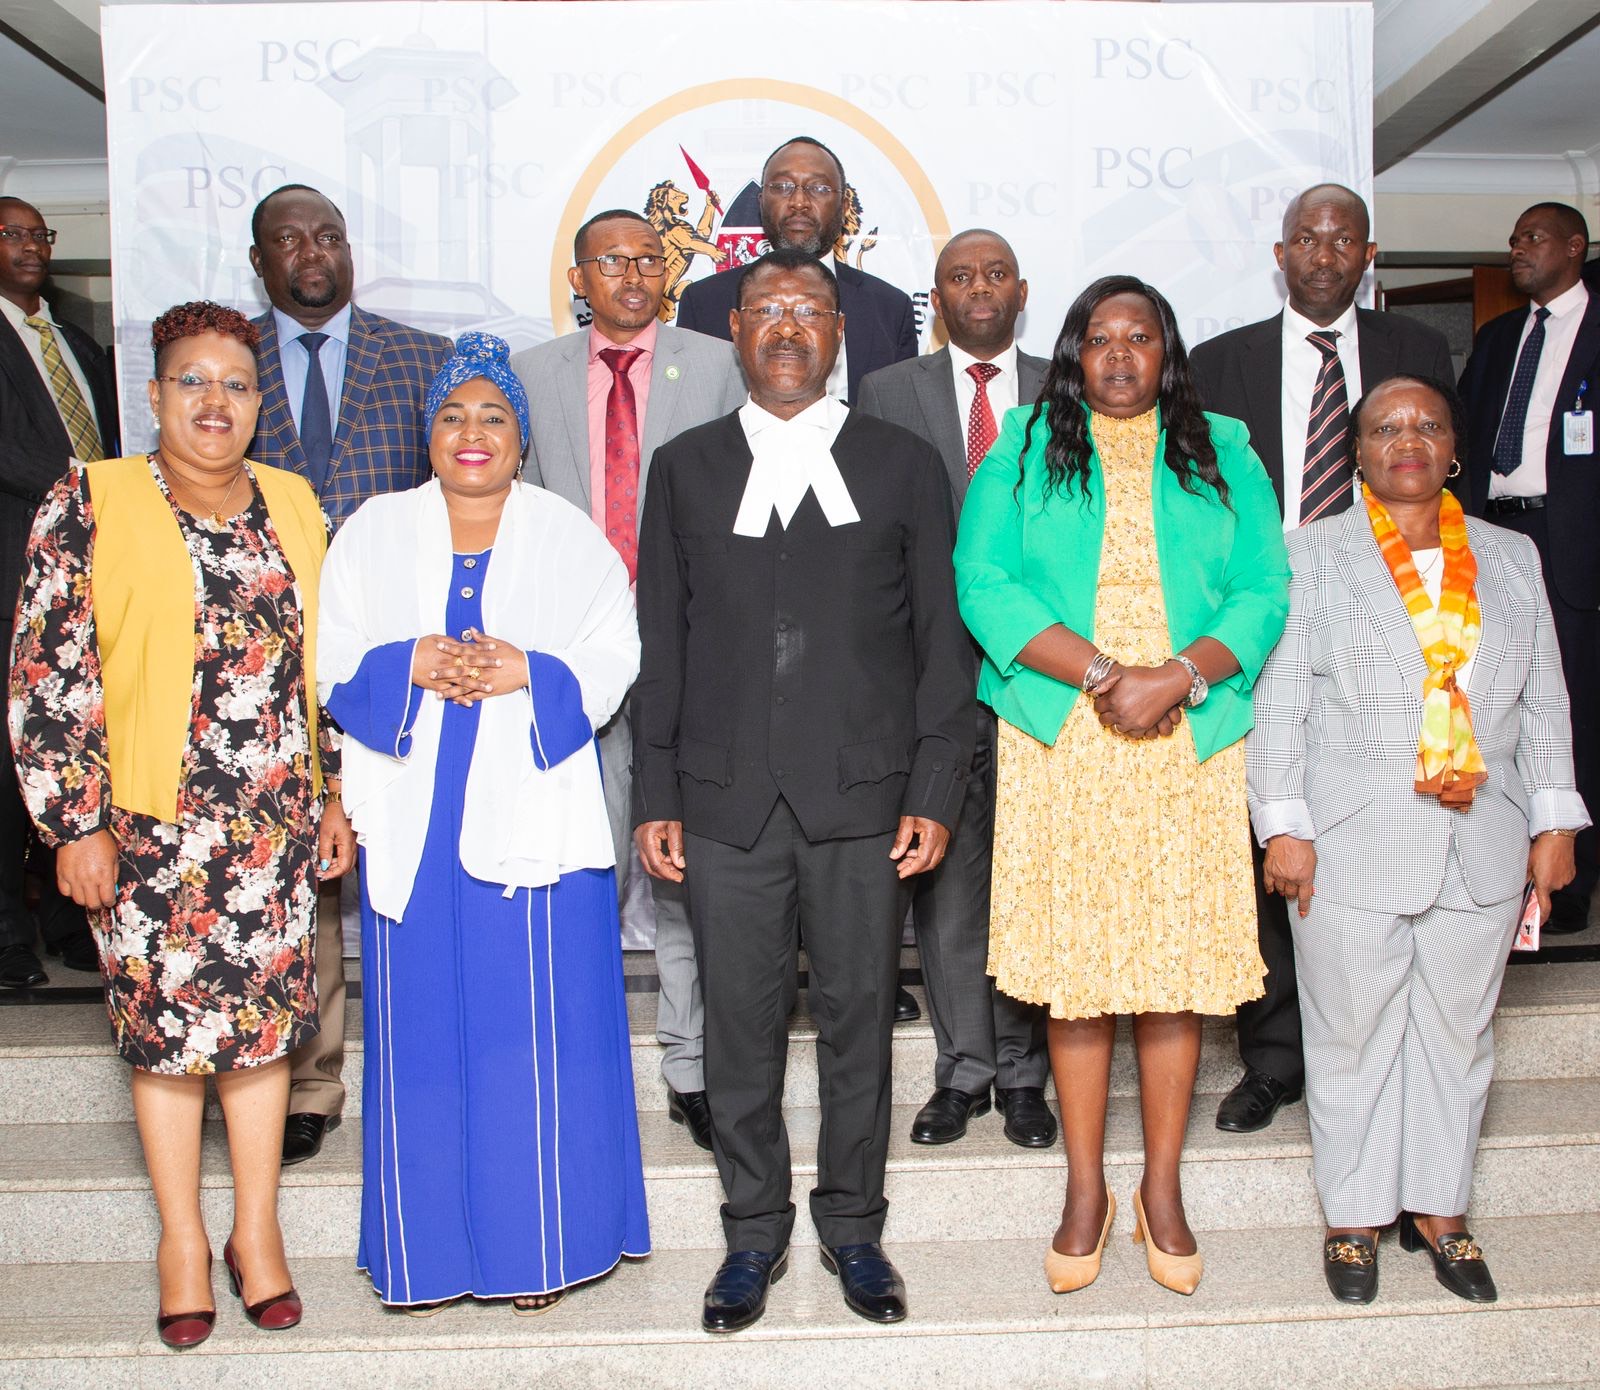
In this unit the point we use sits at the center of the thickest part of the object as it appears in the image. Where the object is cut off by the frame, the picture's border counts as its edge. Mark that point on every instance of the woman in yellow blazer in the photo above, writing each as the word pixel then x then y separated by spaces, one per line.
pixel 165 731
pixel 1120 543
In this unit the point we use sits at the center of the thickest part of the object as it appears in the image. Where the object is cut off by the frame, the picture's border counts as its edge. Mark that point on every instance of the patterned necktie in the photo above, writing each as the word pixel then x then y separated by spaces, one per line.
pixel 1508 443
pixel 316 420
pixel 980 419
pixel 69 400
pixel 622 459
pixel 1325 481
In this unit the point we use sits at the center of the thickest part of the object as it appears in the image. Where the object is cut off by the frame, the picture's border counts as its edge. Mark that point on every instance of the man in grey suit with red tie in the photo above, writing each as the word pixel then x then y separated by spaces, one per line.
pixel 602 400
pixel 953 398
pixel 341 405
pixel 1293 379
pixel 1531 465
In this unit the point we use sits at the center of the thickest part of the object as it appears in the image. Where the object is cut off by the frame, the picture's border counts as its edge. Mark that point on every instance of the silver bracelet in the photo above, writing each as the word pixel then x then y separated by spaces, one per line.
pixel 1099 668
pixel 1199 687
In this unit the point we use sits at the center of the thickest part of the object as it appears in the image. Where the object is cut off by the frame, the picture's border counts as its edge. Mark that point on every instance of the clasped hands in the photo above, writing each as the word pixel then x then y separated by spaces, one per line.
pixel 469 669
pixel 1143 701
pixel 919 845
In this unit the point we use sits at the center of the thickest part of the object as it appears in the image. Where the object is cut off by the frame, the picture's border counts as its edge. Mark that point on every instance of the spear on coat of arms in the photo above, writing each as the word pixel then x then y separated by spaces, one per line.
pixel 700 180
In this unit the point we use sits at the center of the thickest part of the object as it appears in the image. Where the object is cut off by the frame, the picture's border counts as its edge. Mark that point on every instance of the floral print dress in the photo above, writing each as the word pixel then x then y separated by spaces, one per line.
pixel 207 957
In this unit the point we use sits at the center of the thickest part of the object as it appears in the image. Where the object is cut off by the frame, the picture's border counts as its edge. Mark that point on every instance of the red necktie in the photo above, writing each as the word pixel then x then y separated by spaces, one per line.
pixel 980 419
pixel 622 459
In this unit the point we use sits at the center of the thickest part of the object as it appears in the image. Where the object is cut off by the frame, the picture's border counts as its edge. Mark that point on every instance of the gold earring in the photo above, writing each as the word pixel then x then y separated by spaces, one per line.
pixel 1455 469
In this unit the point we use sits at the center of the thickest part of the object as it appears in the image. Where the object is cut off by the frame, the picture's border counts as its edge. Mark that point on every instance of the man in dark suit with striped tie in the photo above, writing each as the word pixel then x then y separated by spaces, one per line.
pixel 341 405
pixel 1293 379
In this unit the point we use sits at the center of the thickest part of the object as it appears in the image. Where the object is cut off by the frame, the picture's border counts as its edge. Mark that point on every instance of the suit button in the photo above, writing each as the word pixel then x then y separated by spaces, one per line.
pixel 783 554
pixel 781 700
pixel 783 627
pixel 779 774
pixel 938 767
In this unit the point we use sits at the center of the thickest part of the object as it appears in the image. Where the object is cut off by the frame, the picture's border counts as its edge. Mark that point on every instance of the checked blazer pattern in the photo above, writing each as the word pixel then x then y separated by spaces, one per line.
pixel 1338 710
pixel 380 443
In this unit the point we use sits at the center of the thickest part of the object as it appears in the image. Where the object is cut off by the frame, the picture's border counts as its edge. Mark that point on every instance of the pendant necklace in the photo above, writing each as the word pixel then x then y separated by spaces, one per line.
pixel 215 516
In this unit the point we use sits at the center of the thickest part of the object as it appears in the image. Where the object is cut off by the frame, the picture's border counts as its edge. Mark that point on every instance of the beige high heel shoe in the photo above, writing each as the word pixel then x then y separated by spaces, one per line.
pixel 1068 1272
pixel 1180 1273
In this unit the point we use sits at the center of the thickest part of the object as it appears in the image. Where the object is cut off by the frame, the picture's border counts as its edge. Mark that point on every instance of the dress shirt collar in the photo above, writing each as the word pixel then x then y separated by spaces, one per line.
pixel 289 330
pixel 1569 301
pixel 1298 327
pixel 788 459
pixel 17 316
pixel 961 359
pixel 645 342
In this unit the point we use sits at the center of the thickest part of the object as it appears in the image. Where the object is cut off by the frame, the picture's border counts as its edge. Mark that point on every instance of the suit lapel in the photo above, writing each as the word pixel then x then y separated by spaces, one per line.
pixel 936 395
pixel 360 364
pixel 1374 586
pixel 32 394
pixel 276 422
pixel 1582 366
pixel 1376 349
pixel 1495 617
pixel 860 325
pixel 1031 372
pixel 574 398
pixel 1262 365
pixel 662 408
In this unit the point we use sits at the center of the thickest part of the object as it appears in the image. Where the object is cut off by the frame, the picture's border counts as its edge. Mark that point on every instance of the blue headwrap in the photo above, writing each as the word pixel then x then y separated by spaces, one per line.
pixel 478 354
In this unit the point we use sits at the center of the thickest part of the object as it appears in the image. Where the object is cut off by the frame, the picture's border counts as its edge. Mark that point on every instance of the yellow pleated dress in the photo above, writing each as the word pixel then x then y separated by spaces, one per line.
pixel 1122 876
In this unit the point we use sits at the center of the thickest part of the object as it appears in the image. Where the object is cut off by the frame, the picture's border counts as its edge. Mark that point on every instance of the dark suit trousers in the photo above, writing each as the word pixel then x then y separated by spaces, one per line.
pixel 60 919
pixel 750 910
pixel 985 1037
pixel 1578 637
pixel 1269 1027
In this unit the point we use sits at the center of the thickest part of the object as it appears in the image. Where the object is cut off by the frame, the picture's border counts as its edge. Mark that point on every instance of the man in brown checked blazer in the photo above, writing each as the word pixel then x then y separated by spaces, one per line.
pixel 341 405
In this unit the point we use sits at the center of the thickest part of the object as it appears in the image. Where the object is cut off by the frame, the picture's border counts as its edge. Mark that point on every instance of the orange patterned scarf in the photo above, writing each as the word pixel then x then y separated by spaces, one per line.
pixel 1449 765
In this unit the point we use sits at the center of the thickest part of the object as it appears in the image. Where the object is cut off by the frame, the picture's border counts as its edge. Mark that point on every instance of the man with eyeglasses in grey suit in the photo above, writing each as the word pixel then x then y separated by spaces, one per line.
pixel 601 401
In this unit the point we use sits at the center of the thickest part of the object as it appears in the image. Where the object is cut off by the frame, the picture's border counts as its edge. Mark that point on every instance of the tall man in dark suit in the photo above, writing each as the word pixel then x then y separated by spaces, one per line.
pixel 802 209
pixel 602 400
pixel 1532 465
pixel 952 398
pixel 341 405
pixel 57 403
pixel 1293 379
pixel 803 729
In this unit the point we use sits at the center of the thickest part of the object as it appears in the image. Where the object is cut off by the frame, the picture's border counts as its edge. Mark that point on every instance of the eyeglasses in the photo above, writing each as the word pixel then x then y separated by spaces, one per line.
pixel 652 267
pixel 785 188
pixel 39 236
pixel 806 315
pixel 192 385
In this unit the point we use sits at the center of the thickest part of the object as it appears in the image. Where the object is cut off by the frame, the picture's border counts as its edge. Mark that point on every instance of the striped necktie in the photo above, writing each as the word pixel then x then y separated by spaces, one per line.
pixel 1325 479
pixel 75 414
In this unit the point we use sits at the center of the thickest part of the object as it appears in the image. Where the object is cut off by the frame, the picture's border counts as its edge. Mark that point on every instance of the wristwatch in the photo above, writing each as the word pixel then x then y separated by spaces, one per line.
pixel 1199 687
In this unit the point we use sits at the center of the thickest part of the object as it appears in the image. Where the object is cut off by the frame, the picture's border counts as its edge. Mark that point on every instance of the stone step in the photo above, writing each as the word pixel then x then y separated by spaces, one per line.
pixel 57 1063
pixel 981 1315
pixel 1540 1154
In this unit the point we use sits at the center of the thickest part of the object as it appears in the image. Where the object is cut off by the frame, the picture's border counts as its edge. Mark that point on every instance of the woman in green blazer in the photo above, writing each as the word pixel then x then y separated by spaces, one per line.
pixel 1120 543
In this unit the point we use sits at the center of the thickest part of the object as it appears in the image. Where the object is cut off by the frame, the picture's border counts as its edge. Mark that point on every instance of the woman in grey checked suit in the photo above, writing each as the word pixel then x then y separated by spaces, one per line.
pixel 1406 902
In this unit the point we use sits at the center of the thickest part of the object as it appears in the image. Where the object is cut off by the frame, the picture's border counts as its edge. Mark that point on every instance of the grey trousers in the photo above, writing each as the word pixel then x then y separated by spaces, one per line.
pixel 680 1016
pixel 1396 1014
pixel 985 1038
pixel 316 1086
pixel 751 909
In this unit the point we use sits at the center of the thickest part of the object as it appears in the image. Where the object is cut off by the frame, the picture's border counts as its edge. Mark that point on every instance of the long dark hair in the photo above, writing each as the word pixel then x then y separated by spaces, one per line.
pixel 1190 453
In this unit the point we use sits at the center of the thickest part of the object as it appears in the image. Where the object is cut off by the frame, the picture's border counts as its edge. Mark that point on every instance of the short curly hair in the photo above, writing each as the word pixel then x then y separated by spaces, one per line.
pixel 196 317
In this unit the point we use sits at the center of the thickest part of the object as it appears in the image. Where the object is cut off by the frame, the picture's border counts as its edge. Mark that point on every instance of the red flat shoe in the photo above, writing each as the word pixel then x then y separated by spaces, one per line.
pixel 276 1314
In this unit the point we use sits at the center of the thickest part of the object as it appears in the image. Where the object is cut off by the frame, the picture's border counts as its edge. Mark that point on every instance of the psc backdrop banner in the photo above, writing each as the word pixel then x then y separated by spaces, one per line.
pixel 466 142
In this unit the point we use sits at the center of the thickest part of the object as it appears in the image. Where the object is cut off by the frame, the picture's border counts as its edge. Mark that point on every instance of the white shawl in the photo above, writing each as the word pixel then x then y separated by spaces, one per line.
pixel 554 585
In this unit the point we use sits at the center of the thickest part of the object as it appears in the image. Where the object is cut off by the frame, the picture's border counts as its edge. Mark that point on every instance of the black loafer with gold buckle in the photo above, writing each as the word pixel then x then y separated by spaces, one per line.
pixel 1458 1261
pixel 1350 1263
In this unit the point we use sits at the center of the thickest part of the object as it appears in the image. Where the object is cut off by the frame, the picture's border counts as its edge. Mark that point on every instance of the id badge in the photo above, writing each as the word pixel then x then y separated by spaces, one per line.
pixel 1577 431
pixel 1527 937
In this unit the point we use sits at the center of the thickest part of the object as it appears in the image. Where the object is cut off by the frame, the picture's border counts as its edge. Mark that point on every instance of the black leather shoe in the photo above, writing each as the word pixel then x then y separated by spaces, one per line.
pixel 1251 1104
pixel 302 1137
pixel 1028 1119
pixel 737 1294
pixel 906 1008
pixel 944 1118
pixel 1350 1264
pixel 20 968
pixel 689 1109
pixel 1458 1263
pixel 873 1288
pixel 77 952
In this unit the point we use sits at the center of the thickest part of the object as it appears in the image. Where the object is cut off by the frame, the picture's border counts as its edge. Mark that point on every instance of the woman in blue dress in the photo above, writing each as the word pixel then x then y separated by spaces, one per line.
pixel 475 633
